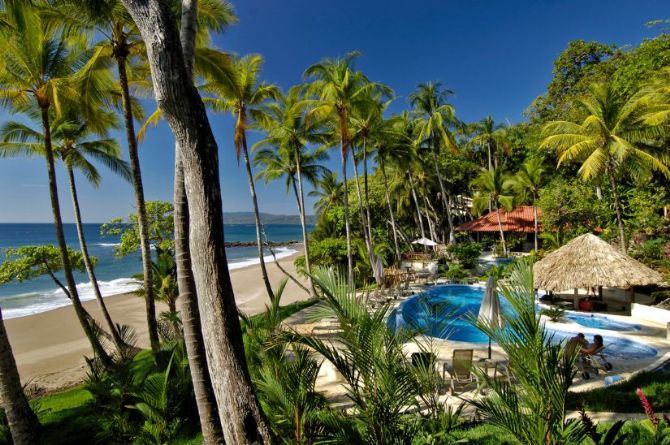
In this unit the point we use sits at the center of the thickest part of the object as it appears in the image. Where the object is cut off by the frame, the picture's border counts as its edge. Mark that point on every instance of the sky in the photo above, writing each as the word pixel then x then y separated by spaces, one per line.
pixel 496 55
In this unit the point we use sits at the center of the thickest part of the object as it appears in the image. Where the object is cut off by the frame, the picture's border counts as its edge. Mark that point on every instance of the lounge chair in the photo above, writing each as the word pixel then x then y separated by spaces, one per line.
pixel 460 369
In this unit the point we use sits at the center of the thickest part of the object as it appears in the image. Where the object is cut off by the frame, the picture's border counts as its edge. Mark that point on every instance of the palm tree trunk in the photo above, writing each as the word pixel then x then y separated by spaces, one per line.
pixel 390 206
pixel 303 218
pixel 365 190
pixel 210 424
pixel 212 433
pixel 83 316
pixel 535 224
pixel 431 225
pixel 257 217
pixel 142 224
pixel 361 210
pixel 350 259
pixel 22 421
pixel 617 208
pixel 445 200
pixel 89 267
pixel 416 203
pixel 502 234
pixel 240 414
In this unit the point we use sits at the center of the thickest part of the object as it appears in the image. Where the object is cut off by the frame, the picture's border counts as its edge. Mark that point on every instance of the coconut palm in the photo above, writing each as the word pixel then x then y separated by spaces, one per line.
pixel 434 115
pixel 489 135
pixel 613 139
pixel 329 191
pixel 43 68
pixel 528 181
pixel 493 186
pixel 243 95
pixel 338 90
pixel 391 146
pixel 284 152
pixel 75 145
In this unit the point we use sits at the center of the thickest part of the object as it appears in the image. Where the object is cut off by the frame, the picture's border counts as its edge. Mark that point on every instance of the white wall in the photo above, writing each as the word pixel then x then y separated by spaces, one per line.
pixel 650 313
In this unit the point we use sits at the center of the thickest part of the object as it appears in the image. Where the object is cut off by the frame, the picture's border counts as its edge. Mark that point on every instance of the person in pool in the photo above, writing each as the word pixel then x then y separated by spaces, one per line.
pixel 593 347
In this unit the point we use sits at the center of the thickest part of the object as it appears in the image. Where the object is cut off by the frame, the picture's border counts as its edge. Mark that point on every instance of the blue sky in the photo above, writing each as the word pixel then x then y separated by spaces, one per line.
pixel 497 55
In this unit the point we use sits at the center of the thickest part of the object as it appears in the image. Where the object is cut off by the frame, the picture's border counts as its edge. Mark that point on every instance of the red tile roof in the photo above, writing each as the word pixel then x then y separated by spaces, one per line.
pixel 520 219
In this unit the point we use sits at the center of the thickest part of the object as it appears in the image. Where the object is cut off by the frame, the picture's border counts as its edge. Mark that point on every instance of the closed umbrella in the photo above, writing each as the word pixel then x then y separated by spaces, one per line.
pixel 489 311
pixel 425 242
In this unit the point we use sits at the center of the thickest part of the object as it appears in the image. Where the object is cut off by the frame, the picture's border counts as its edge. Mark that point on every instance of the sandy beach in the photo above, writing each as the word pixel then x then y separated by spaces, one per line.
pixel 49 347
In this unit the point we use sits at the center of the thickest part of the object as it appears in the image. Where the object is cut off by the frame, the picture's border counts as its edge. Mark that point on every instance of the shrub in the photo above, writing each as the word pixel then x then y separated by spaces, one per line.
pixel 456 272
pixel 554 313
pixel 466 253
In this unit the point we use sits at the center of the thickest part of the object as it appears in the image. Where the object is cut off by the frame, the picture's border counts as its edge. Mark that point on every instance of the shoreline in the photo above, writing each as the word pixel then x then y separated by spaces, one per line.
pixel 49 347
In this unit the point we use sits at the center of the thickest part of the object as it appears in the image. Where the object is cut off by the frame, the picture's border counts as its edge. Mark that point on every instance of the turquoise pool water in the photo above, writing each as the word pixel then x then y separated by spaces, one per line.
pixel 601 322
pixel 444 312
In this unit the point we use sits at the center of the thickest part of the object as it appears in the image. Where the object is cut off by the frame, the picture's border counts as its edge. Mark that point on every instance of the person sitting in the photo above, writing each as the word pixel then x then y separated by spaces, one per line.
pixel 594 347
pixel 573 343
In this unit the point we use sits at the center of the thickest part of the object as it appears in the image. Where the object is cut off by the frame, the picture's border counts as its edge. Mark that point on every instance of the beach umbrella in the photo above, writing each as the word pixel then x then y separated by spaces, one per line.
pixel 425 242
pixel 489 311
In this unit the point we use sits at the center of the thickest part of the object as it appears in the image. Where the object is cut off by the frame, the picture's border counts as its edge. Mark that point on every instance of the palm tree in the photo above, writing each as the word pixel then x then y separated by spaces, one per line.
pixel 22 421
pixel 239 412
pixel 527 181
pixel 491 136
pixel 338 90
pixel 434 115
pixel 329 191
pixel 39 68
pixel 284 153
pixel 243 95
pixel 391 145
pixel 73 144
pixel 122 43
pixel 493 186
pixel 612 139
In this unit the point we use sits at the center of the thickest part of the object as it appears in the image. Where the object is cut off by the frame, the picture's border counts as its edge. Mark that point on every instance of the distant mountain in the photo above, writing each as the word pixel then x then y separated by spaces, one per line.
pixel 266 218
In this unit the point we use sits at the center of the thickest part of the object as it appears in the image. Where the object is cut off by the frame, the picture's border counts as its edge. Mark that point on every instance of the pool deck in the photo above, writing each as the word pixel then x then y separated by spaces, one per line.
pixel 650 334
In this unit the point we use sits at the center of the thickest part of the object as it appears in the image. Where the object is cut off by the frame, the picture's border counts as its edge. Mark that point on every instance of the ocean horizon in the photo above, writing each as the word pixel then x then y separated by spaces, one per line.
pixel 115 274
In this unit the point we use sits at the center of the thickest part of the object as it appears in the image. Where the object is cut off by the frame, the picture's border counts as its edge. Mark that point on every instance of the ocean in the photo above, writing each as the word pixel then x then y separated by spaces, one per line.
pixel 114 274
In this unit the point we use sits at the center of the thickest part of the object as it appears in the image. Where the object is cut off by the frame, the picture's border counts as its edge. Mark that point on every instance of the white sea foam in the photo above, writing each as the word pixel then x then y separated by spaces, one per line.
pixel 37 302
pixel 280 252
pixel 108 244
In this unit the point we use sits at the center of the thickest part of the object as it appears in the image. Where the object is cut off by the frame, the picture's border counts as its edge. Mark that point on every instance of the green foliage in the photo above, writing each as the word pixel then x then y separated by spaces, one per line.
pixel 534 409
pixel 467 253
pixel 652 252
pixel 160 226
pixel 554 313
pixel 456 272
pixel 622 397
pixel 572 208
pixel 28 262
pixel 644 210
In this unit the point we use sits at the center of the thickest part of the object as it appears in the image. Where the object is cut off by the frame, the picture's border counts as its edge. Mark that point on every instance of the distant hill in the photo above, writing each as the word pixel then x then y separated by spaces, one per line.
pixel 266 218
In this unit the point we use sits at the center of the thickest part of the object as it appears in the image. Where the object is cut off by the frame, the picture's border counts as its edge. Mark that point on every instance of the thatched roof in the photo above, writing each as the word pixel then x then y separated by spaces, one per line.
pixel 587 262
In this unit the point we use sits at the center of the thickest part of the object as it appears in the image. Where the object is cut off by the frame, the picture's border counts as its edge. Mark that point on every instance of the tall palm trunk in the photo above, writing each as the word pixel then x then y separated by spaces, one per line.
pixel 84 318
pixel 365 189
pixel 240 414
pixel 390 206
pixel 87 263
pixel 347 229
pixel 445 199
pixel 22 421
pixel 502 234
pixel 365 221
pixel 210 424
pixel 617 208
pixel 535 224
pixel 303 218
pixel 121 52
pixel 431 225
pixel 416 203
pixel 257 215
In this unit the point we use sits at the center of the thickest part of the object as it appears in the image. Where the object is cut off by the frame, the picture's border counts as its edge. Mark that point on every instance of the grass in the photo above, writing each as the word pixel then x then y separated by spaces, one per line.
pixel 66 417
pixel 484 434
pixel 622 397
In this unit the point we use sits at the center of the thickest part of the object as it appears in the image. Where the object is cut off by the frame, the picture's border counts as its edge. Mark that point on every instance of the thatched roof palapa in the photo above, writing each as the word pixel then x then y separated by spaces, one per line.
pixel 588 262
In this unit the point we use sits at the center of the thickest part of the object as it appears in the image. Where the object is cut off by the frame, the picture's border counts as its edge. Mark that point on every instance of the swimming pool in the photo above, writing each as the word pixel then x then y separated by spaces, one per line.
pixel 444 312
pixel 601 322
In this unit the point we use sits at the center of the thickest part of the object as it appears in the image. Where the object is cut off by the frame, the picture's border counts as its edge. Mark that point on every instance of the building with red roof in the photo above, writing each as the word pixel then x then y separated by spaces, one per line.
pixel 519 220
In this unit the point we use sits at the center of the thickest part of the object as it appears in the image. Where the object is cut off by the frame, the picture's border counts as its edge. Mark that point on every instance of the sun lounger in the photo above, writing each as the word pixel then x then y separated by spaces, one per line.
pixel 460 370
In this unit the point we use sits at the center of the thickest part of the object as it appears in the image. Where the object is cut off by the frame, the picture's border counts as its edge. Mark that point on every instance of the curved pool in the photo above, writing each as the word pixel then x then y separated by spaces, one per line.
pixel 444 312
pixel 601 322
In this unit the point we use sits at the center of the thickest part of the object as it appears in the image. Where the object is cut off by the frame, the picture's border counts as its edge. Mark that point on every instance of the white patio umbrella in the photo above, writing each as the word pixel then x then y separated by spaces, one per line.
pixel 489 311
pixel 425 242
